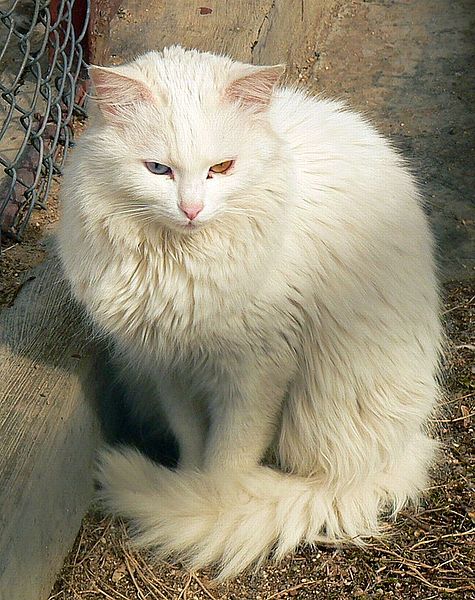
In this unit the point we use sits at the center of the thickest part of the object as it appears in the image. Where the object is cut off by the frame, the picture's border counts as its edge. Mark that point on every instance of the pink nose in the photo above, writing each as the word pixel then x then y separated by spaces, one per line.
pixel 192 211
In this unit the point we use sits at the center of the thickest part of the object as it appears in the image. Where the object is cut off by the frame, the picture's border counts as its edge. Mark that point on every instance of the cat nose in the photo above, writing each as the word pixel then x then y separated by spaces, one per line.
pixel 191 210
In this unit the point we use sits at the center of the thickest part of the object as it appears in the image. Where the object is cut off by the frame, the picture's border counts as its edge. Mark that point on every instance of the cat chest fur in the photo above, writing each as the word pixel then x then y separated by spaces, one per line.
pixel 169 309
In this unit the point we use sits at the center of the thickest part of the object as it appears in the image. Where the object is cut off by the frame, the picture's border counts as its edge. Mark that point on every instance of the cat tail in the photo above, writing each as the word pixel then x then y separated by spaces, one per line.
pixel 232 520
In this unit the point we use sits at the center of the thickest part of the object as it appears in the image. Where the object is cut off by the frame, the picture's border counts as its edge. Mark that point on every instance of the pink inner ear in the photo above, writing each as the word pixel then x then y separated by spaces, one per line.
pixel 255 90
pixel 115 91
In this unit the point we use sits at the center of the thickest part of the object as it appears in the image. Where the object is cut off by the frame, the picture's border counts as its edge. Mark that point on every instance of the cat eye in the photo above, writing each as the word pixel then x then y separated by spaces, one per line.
pixel 157 168
pixel 222 167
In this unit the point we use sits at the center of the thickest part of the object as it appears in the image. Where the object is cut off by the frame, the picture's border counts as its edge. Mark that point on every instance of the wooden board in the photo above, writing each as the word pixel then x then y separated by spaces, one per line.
pixel 253 31
pixel 98 33
pixel 48 434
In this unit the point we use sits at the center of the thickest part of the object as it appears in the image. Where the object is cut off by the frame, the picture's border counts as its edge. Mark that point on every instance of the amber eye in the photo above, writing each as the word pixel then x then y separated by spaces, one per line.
pixel 222 167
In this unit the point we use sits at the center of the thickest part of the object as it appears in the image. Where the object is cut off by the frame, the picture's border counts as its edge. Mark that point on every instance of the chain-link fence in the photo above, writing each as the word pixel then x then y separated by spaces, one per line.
pixel 41 70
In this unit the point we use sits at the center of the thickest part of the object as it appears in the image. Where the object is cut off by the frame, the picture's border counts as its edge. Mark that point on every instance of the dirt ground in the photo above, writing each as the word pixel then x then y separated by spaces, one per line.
pixel 17 258
pixel 409 65
pixel 406 64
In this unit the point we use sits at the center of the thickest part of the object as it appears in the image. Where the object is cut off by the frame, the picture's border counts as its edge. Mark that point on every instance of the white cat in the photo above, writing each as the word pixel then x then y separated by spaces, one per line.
pixel 262 257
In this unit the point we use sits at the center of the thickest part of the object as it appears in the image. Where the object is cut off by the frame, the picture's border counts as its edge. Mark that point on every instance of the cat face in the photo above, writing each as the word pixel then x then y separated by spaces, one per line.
pixel 186 135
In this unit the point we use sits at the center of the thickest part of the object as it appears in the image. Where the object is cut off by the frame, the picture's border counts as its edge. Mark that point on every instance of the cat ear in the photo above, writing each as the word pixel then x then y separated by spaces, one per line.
pixel 254 88
pixel 116 93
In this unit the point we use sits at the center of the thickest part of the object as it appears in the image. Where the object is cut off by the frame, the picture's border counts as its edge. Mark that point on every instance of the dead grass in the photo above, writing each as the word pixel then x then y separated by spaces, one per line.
pixel 427 554
pixel 17 259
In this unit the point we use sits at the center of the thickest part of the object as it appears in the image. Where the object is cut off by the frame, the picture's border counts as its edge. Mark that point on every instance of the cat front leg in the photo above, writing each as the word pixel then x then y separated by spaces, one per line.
pixel 244 416
pixel 186 417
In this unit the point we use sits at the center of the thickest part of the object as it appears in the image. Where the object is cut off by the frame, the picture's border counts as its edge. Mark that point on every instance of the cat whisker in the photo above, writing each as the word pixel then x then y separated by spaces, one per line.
pixel 129 213
pixel 132 212
pixel 132 206
pixel 241 212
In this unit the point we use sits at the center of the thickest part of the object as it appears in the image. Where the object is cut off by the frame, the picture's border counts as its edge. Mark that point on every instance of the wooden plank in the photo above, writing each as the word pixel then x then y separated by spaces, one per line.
pixel 48 434
pixel 291 32
pixel 253 31
pixel 98 33
pixel 231 27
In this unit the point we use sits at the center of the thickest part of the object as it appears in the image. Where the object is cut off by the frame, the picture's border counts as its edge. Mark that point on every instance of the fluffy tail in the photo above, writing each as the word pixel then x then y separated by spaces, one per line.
pixel 234 520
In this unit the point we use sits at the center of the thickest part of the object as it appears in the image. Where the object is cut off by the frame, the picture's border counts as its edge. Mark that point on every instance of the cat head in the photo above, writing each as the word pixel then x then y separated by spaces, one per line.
pixel 181 136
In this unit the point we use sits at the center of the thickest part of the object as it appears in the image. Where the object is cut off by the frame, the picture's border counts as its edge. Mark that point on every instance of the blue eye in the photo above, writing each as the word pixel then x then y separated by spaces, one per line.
pixel 157 168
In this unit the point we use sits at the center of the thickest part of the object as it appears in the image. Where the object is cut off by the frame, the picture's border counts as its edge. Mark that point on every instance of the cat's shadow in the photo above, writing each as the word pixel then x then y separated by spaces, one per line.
pixel 45 326
pixel 114 401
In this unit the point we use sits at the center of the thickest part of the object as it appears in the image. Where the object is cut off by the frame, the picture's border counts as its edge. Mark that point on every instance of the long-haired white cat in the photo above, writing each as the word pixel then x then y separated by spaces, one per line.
pixel 262 257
